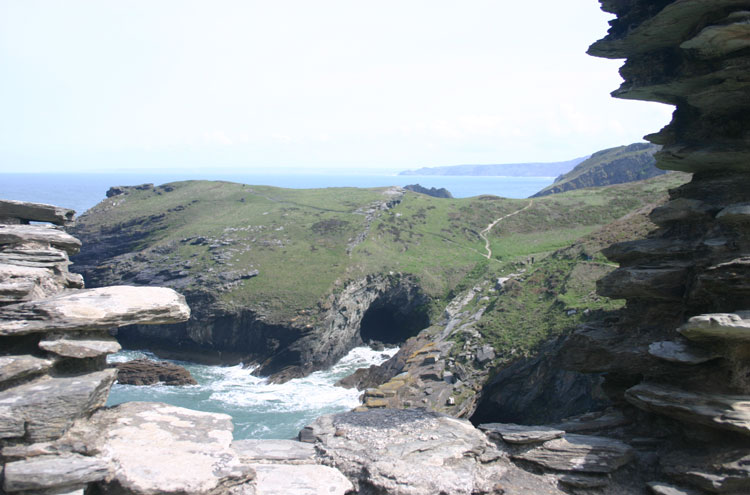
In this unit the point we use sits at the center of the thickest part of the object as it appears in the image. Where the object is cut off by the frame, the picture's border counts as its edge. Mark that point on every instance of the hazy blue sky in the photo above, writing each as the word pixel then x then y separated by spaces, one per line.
pixel 324 84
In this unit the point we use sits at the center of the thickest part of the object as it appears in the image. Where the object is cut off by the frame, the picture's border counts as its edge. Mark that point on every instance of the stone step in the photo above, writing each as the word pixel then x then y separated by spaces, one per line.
pixel 718 326
pixel 580 453
pixel 95 309
pixel 35 212
pixel 659 248
pixel 520 434
pixel 681 352
pixel 717 470
pixel 48 406
pixel 74 346
pixel 306 479
pixel 275 451
pixel 728 412
pixel 43 234
pixel 681 210
pixel 61 472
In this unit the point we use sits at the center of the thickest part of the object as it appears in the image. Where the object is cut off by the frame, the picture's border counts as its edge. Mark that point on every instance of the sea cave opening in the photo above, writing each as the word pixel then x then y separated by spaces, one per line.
pixel 392 324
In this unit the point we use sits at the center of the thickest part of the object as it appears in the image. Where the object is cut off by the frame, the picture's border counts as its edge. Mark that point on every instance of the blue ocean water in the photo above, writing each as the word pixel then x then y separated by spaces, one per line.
pixel 82 191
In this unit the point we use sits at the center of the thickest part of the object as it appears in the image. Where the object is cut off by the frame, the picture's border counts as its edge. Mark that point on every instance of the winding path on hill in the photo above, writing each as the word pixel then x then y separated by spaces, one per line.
pixel 483 234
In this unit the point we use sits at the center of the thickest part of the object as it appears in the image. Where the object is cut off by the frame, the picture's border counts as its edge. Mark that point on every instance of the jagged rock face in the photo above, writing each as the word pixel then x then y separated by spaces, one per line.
pixel 147 372
pixel 680 349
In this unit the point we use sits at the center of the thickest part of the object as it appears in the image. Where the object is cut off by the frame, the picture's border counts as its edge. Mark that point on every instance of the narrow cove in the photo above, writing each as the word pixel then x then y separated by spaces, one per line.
pixel 258 409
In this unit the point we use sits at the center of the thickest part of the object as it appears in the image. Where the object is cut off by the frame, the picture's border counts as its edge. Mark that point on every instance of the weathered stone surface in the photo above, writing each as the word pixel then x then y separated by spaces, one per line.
pixel 718 326
pixel 584 453
pixel 593 421
pixel 660 488
pixel 161 449
pixel 272 451
pixel 70 471
pixel 513 433
pixel 11 426
pixel 665 282
pixel 408 452
pixel 95 309
pixel 681 352
pixel 280 479
pixel 35 212
pixel 582 481
pixel 681 210
pixel 670 26
pixel 727 36
pixel 22 283
pixel 714 470
pixel 147 372
pixel 43 234
pixel 76 346
pixel 35 258
pixel 16 367
pixel 729 412
pixel 48 406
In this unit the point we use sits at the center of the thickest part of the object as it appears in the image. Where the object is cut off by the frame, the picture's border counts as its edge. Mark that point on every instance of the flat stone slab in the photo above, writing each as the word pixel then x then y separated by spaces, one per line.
pixel 43 234
pixel 275 451
pixel 16 367
pixel 521 434
pixel 580 453
pixel 680 352
pixel 95 309
pixel 714 470
pixel 161 449
pixel 718 326
pixel 409 452
pixel 305 479
pixel 49 406
pixel 660 488
pixel 74 347
pixel 727 412
pixel 593 421
pixel 36 212
pixel 69 471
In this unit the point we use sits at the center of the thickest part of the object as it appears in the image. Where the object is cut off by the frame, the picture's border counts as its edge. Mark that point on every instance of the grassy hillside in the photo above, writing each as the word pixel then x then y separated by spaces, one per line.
pixel 612 166
pixel 307 244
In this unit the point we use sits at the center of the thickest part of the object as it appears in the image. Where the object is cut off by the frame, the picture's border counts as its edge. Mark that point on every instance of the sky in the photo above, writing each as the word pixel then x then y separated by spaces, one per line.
pixel 298 85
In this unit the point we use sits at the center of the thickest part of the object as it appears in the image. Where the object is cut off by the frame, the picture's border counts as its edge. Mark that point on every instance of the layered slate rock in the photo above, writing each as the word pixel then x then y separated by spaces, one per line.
pixel 156 448
pixel 53 342
pixel 408 452
pixel 521 434
pixel 690 278
pixel 48 406
pixel 584 453
pixel 730 412
pixel 24 212
pixel 63 472
pixel 95 309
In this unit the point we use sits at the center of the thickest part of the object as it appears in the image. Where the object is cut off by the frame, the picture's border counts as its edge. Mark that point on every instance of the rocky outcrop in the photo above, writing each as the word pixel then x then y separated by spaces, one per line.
pixel 607 167
pixel 679 354
pixel 147 372
pixel 432 191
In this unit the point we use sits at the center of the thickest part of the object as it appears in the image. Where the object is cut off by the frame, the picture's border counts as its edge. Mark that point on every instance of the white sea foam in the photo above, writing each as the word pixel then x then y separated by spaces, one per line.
pixel 259 409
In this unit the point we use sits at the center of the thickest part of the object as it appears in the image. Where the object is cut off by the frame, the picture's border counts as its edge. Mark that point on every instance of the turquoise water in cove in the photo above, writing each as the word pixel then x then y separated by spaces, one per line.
pixel 258 409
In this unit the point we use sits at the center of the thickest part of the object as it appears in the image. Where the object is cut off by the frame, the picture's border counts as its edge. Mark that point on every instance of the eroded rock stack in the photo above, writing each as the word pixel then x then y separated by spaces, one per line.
pixel 681 352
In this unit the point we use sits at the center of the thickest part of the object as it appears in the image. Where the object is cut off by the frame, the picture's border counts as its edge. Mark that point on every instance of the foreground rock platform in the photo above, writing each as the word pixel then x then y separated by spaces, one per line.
pixel 408 452
pixel 161 449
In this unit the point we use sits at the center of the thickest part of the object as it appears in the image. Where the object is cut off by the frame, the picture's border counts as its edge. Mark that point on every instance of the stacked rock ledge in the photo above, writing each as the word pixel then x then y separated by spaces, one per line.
pixel 678 358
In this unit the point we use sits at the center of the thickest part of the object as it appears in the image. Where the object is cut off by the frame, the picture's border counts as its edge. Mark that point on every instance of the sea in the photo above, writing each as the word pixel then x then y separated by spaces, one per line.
pixel 259 409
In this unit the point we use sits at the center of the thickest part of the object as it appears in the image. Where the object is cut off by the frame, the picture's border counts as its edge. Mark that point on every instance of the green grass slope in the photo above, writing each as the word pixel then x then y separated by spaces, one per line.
pixel 307 244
